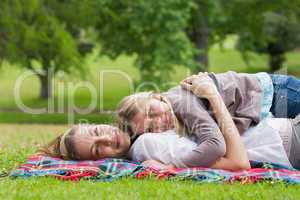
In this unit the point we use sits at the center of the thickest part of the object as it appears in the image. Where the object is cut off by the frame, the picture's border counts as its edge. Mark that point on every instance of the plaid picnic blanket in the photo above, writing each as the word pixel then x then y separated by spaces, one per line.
pixel 110 169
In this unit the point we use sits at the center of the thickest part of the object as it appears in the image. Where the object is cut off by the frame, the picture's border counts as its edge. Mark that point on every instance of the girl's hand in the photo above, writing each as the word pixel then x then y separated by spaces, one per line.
pixel 156 165
pixel 201 85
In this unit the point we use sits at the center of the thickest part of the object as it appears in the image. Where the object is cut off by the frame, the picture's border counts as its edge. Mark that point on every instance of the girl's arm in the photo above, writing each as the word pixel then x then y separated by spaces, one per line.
pixel 236 156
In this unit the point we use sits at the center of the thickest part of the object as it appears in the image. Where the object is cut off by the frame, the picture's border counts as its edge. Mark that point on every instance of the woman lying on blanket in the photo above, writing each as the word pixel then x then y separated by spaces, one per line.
pixel 89 142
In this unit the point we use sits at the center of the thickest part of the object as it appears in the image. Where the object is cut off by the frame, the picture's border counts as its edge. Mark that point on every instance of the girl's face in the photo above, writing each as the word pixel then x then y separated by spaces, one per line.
pixel 93 142
pixel 159 118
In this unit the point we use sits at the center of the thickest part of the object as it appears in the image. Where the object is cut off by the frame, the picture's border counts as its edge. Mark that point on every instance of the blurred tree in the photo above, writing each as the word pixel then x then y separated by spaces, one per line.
pixel 77 17
pixel 162 34
pixel 206 26
pixel 39 35
pixel 269 27
pixel 283 36
pixel 151 30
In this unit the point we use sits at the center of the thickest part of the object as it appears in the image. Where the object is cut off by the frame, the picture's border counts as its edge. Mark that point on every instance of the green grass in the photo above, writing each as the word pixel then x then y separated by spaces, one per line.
pixel 222 60
pixel 141 189
pixel 55 118
pixel 19 141
pixel 115 86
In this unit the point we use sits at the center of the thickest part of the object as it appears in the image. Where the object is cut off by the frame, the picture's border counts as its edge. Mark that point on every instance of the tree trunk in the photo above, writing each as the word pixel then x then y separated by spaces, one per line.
pixel 199 35
pixel 201 42
pixel 46 85
pixel 276 61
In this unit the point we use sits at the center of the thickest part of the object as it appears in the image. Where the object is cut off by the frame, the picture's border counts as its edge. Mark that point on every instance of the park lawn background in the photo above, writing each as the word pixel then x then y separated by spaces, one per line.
pixel 18 141
pixel 113 86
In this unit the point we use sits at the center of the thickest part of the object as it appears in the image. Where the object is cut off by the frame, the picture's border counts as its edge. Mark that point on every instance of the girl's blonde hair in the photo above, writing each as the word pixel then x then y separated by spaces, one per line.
pixel 139 103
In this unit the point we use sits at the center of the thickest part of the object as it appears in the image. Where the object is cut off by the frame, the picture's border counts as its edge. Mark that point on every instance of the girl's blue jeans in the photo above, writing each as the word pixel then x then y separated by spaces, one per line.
pixel 286 100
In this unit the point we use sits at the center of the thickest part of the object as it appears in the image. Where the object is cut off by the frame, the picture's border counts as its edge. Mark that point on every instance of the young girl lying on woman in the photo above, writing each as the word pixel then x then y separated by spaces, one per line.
pixel 249 98
pixel 273 139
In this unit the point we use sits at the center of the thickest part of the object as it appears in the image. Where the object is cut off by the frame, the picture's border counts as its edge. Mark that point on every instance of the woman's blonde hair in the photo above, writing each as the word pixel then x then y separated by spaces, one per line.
pixel 62 146
pixel 139 103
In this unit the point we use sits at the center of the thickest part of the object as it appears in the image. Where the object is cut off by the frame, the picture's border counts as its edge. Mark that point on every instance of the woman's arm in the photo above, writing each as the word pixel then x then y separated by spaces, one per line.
pixel 236 156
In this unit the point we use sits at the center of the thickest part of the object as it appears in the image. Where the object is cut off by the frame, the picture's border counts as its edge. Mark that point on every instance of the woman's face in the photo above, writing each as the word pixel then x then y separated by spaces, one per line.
pixel 93 142
pixel 158 119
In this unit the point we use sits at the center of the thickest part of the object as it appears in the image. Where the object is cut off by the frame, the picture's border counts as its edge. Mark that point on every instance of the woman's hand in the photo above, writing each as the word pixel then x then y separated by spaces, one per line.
pixel 157 165
pixel 201 85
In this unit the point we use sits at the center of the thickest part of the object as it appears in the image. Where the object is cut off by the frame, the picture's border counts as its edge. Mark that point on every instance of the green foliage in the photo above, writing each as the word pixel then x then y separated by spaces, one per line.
pixel 266 27
pixel 278 34
pixel 160 35
pixel 151 30
pixel 74 14
pixel 31 32
pixel 35 35
pixel 77 17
